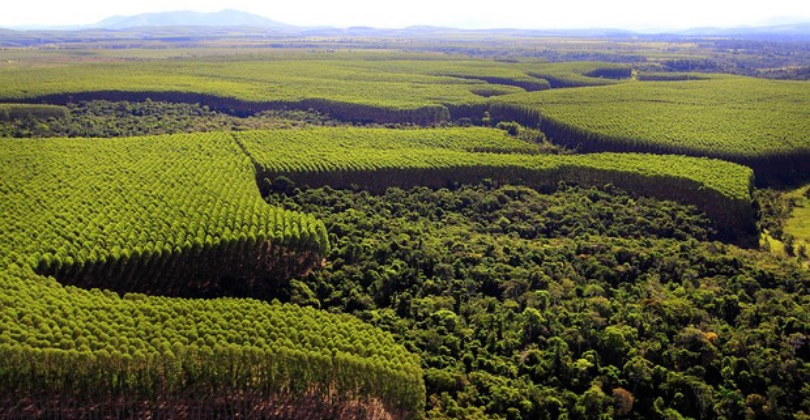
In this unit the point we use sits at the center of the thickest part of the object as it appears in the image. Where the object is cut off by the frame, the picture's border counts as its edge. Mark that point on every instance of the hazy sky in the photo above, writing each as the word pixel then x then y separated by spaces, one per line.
pixel 630 14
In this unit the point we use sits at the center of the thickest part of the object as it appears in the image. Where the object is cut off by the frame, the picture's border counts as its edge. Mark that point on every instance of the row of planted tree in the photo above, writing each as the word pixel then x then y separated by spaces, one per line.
pixel 171 216
pixel 245 268
pixel 207 382
pixel 778 168
pixel 721 189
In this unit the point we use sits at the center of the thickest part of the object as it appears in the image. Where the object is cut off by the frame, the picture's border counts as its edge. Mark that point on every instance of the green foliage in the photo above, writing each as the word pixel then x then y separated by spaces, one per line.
pixel 378 159
pixel 579 73
pixel 126 119
pixel 773 210
pixel 739 119
pixel 587 303
pixel 498 302
pixel 160 194
pixel 756 122
pixel 670 76
pixel 10 112
pixel 284 145
pixel 419 89
pixel 131 210
pixel 85 347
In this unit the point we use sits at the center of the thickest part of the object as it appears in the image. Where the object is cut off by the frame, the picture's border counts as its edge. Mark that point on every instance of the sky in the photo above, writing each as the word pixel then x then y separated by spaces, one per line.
pixel 532 14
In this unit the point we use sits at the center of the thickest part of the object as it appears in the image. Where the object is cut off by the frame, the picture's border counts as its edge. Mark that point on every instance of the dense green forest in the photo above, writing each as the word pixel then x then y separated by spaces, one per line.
pixel 126 119
pixel 301 234
pixel 579 304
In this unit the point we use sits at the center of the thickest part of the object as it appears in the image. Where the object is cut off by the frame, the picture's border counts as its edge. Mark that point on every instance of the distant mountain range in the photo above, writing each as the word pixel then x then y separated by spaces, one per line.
pixel 228 18
pixel 787 29
pixel 196 23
